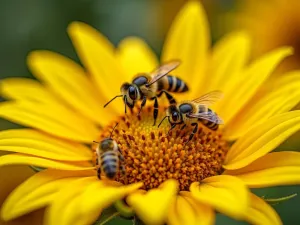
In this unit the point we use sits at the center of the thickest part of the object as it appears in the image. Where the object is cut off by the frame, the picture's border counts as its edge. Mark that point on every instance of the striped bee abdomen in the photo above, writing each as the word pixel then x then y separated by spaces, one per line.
pixel 109 164
pixel 172 84
pixel 209 124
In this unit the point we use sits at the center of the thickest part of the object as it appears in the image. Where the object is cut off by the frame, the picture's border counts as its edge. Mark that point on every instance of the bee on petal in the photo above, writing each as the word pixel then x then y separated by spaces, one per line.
pixel 193 112
pixel 151 86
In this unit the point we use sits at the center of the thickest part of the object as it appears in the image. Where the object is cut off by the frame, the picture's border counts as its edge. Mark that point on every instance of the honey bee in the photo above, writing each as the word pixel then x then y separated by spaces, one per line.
pixel 109 158
pixel 151 86
pixel 192 112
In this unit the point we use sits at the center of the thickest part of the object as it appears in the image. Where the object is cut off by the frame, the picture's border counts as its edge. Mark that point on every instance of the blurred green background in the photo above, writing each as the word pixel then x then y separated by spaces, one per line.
pixel 41 24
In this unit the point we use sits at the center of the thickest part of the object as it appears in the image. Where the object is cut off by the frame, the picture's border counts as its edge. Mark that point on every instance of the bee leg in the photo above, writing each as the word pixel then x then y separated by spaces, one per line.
pixel 125 101
pixel 142 104
pixel 131 110
pixel 169 97
pixel 193 132
pixel 98 169
pixel 121 157
pixel 99 173
pixel 123 171
pixel 155 111
pixel 122 167
pixel 183 127
pixel 172 127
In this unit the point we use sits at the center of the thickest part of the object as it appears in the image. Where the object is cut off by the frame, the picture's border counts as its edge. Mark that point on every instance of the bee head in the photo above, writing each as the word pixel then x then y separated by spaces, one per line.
pixel 132 92
pixel 107 144
pixel 174 114
pixel 124 88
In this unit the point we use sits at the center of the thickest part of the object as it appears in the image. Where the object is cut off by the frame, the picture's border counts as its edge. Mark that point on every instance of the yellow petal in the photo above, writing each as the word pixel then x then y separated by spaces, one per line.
pixel 88 198
pixel 57 120
pixel 229 57
pixel 33 142
pixel 261 139
pixel 97 55
pixel 97 198
pixel 64 201
pixel 227 194
pixel 181 212
pixel 135 57
pixel 251 79
pixel 205 215
pixel 11 177
pixel 261 213
pixel 275 98
pixel 70 82
pixel 152 207
pixel 186 210
pixel 273 169
pixel 37 192
pixel 188 40
pixel 26 89
pixel 12 159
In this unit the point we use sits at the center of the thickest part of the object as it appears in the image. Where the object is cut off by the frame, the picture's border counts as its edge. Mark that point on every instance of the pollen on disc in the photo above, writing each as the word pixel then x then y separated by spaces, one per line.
pixel 152 156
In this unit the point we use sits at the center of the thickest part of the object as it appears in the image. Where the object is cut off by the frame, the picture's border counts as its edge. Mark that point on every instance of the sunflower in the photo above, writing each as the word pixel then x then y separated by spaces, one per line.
pixel 273 23
pixel 168 181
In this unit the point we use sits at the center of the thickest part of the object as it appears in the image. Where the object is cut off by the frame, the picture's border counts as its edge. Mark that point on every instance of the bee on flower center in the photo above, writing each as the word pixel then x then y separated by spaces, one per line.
pixel 152 156
pixel 152 86
pixel 192 112
pixel 109 158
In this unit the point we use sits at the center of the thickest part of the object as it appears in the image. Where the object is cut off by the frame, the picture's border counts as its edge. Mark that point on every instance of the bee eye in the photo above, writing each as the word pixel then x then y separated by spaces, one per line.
pixel 132 92
pixel 175 116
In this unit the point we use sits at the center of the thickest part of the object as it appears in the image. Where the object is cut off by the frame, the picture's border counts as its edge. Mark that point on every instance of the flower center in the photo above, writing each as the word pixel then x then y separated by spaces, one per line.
pixel 152 156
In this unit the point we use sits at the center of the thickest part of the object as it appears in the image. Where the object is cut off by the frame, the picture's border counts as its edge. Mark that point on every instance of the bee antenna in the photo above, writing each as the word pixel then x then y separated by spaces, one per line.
pixel 96 142
pixel 117 96
pixel 113 130
pixel 162 121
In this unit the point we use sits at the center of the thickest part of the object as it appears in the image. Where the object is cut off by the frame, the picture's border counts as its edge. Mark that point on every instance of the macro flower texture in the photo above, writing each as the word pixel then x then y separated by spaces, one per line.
pixel 167 181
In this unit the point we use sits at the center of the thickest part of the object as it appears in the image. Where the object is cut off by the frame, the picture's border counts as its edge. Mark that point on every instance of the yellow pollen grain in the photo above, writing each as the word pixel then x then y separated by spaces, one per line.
pixel 151 156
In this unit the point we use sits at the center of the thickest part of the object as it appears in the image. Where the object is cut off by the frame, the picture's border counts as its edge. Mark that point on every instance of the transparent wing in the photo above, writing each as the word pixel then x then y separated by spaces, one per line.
pixel 210 116
pixel 209 98
pixel 162 71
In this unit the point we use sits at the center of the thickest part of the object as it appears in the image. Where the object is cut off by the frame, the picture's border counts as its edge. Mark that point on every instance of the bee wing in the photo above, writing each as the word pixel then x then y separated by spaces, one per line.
pixel 163 70
pixel 209 98
pixel 207 116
